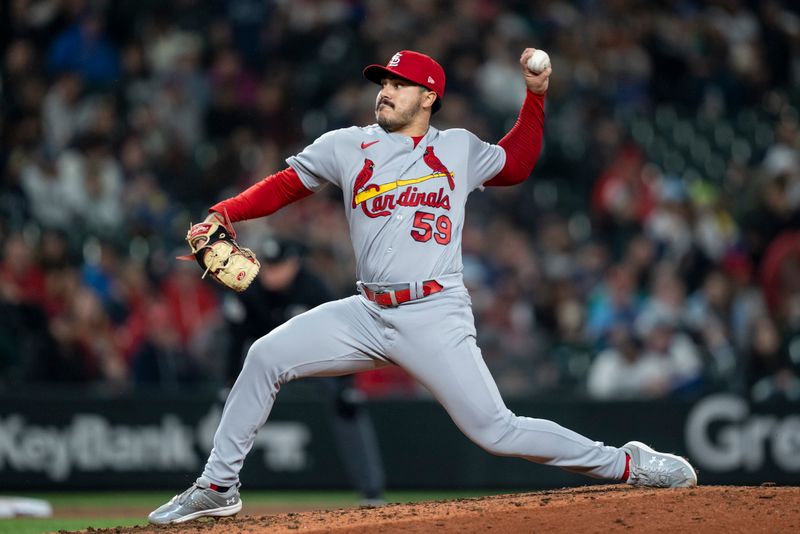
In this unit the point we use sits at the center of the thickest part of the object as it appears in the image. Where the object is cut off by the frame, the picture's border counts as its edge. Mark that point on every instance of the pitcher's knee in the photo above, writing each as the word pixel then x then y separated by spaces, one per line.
pixel 495 437
pixel 261 358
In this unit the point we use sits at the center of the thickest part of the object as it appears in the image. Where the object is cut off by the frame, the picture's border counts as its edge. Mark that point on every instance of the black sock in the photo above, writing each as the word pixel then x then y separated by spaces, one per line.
pixel 221 489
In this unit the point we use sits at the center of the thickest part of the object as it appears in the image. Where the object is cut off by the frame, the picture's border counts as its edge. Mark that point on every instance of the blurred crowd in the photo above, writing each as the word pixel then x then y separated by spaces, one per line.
pixel 623 269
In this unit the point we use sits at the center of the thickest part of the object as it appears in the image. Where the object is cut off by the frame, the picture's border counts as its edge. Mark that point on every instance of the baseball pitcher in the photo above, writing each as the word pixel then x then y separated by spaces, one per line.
pixel 405 185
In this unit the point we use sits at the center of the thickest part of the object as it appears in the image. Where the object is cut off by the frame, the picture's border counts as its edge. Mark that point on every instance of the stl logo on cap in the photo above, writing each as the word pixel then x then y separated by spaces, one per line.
pixel 415 67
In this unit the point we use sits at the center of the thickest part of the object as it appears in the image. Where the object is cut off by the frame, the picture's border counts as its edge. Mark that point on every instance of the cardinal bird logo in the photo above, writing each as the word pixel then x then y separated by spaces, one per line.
pixel 364 176
pixel 437 166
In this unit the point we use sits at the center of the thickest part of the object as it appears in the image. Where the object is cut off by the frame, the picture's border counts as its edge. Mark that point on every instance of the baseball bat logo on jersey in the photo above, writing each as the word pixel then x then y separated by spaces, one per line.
pixel 383 203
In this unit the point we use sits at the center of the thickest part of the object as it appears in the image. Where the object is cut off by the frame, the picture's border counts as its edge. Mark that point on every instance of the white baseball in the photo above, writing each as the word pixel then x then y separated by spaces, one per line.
pixel 538 61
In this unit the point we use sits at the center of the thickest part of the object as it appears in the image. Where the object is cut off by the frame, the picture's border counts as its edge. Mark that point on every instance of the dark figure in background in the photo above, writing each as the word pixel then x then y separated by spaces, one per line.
pixel 284 288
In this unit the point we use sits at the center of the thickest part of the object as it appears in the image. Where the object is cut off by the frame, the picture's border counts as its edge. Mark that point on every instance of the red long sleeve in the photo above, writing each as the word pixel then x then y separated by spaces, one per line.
pixel 523 143
pixel 264 198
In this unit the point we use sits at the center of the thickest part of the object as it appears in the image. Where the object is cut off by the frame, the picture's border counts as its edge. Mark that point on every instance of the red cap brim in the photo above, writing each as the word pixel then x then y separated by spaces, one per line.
pixel 375 73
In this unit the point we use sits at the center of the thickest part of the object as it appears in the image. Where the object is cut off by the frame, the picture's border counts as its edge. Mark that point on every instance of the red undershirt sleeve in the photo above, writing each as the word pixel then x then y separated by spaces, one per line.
pixel 264 198
pixel 523 143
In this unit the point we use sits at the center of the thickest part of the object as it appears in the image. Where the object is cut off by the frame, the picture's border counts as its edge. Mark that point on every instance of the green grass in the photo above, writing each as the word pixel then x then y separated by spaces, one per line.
pixel 149 500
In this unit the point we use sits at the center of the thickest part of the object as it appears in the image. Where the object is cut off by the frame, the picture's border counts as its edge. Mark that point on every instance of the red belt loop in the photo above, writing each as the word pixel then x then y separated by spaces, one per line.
pixel 394 298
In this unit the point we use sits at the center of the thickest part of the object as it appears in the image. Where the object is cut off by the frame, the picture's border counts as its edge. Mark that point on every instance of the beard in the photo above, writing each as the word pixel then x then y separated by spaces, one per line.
pixel 399 119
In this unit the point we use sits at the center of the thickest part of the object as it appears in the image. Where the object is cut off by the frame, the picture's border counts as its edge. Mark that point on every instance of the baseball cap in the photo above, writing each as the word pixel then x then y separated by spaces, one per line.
pixel 415 67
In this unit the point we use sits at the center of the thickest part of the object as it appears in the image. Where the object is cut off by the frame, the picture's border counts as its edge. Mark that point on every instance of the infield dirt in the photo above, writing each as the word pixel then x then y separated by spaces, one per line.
pixel 593 509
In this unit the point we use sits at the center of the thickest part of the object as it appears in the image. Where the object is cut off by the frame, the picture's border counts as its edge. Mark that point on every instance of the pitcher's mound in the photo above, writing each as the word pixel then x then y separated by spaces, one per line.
pixel 600 509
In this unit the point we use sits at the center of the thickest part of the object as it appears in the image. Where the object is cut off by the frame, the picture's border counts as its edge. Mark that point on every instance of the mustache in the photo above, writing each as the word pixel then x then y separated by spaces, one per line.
pixel 383 101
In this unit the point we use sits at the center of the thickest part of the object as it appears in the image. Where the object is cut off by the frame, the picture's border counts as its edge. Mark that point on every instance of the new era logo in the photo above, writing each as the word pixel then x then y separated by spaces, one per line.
pixel 430 79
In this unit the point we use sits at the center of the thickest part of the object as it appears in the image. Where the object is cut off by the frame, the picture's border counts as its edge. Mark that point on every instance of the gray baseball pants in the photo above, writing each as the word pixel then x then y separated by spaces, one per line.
pixel 433 339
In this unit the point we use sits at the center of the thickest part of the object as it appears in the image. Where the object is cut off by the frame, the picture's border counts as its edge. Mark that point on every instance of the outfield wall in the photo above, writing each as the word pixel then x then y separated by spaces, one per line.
pixel 57 441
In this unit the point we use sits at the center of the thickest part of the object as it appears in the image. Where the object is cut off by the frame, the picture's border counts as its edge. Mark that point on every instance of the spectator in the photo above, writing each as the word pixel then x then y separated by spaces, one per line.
pixel 135 86
pixel 668 225
pixel 682 367
pixel 571 353
pixel 93 185
pixel 84 48
pixel 19 64
pixel 45 189
pixel 622 198
pixel 624 370
pixel 161 359
pixel 87 344
pixel 63 111
pixel 22 319
pixel 666 300
pixel 710 315
pixel 779 268
pixel 180 115
pixel 21 279
pixel 613 302
pixel 194 311
pixel 148 208
pixel 640 256
pixel 716 233
pixel 771 374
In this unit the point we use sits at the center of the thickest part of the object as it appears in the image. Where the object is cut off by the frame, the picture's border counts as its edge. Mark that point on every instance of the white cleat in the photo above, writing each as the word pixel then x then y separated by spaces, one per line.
pixel 653 469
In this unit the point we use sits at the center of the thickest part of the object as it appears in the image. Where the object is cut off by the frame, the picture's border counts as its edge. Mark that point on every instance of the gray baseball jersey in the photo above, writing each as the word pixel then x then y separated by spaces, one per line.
pixel 405 205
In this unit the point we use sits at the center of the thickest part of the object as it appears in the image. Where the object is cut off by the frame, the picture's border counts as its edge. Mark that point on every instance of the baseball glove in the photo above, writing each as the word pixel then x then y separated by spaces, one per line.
pixel 215 248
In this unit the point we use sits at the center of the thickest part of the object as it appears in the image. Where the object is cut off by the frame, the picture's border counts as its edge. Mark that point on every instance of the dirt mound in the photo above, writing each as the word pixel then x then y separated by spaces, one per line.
pixel 599 509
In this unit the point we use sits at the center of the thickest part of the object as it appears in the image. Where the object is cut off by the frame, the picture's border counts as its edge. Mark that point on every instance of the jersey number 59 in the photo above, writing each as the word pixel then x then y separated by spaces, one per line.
pixel 424 230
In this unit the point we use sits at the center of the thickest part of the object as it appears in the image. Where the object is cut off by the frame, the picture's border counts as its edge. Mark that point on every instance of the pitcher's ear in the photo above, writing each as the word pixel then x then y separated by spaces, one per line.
pixel 430 99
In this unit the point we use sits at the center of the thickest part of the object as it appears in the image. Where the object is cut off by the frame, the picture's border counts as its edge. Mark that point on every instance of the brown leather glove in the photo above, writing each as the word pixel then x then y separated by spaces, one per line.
pixel 215 248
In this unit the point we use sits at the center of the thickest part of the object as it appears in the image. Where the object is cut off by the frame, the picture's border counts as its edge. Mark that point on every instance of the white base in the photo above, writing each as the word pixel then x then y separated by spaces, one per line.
pixel 22 506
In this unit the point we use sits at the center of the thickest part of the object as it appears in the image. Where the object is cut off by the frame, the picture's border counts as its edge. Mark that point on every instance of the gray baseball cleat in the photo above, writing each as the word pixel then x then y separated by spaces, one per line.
pixel 197 501
pixel 653 469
